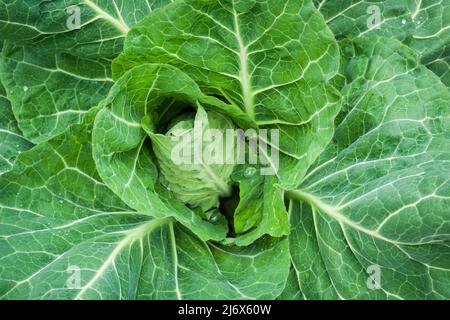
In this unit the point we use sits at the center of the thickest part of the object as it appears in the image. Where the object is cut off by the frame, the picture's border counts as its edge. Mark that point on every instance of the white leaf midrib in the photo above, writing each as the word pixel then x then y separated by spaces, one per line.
pixel 334 212
pixel 175 261
pixel 11 133
pixel 118 23
pixel 132 236
pixel 244 72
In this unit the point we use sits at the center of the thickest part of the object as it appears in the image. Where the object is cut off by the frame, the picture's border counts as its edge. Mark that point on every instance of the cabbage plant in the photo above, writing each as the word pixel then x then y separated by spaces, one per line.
pixel 103 194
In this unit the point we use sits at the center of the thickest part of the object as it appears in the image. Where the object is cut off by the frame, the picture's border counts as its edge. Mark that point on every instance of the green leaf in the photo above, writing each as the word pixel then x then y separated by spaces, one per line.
pixel 198 180
pixel 291 291
pixel 261 208
pixel 123 157
pixel 238 52
pixel 258 56
pixel 54 23
pixel 311 275
pixel 12 142
pixel 50 91
pixel 65 235
pixel 55 72
pixel 422 25
pixel 381 198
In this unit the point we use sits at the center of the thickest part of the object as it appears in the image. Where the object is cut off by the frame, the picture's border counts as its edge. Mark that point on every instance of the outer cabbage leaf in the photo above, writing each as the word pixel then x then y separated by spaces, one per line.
pixel 12 142
pixel 49 90
pixel 103 23
pixel 424 25
pixel 291 291
pixel 256 54
pixel 54 72
pixel 379 198
pixel 65 235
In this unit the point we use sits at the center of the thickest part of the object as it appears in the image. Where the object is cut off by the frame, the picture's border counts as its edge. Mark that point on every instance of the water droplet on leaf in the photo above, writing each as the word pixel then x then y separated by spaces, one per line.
pixel 215 217
pixel 249 172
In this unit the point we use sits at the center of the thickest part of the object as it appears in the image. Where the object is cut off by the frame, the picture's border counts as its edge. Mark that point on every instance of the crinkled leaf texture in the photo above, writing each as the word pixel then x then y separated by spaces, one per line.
pixel 424 25
pixel 55 71
pixel 12 141
pixel 379 197
pixel 58 219
pixel 121 149
pixel 258 63
pixel 83 214
pixel 258 55
pixel 197 183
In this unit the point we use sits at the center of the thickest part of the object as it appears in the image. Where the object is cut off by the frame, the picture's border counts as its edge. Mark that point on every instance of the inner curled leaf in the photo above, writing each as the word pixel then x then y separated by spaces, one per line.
pixel 192 157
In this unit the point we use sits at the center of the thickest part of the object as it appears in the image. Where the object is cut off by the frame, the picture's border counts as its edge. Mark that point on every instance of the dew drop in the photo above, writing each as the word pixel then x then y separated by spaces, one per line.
pixel 61 201
pixel 25 88
pixel 403 21
pixel 249 172
pixel 215 217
